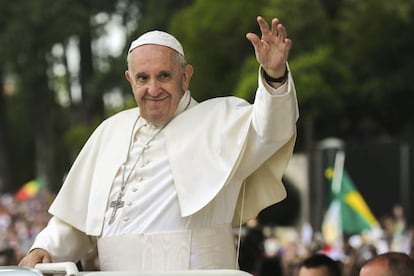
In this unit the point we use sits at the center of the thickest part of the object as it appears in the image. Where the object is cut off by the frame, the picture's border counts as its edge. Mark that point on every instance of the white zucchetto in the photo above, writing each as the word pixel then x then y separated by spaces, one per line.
pixel 158 38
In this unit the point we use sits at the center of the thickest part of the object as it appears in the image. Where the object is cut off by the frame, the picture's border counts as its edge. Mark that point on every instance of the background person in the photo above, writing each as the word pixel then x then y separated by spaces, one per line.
pixel 389 264
pixel 319 265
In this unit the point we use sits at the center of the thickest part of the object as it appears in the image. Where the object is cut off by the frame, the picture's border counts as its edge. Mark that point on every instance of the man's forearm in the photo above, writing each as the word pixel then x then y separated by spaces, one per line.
pixel 63 242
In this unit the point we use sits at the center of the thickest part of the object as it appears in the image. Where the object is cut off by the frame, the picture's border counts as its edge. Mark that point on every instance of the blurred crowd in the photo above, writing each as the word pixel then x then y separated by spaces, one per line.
pixel 264 250
pixel 20 221
pixel 274 250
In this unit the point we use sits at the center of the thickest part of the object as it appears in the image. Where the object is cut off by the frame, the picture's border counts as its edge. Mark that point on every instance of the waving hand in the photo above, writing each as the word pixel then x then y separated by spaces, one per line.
pixel 272 49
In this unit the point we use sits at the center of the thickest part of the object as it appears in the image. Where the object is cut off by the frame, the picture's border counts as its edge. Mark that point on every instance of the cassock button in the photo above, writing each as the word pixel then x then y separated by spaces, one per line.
pixel 140 179
pixel 129 203
pixel 134 189
pixel 126 219
pixel 144 163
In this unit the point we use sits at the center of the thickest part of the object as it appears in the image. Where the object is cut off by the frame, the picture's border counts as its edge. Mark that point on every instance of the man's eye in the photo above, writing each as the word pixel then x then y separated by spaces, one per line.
pixel 164 75
pixel 142 78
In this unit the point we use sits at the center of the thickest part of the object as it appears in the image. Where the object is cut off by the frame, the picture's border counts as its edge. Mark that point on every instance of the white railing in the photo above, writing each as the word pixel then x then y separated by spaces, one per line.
pixel 70 269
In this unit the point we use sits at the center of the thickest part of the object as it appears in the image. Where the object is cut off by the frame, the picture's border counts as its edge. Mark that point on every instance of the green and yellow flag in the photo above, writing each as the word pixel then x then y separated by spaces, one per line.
pixel 354 214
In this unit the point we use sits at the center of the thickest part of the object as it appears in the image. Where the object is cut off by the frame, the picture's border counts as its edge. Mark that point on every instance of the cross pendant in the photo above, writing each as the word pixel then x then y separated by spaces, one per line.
pixel 116 204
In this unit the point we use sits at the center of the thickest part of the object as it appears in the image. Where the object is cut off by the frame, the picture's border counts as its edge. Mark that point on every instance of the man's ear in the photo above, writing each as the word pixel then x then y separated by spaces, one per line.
pixel 127 76
pixel 188 73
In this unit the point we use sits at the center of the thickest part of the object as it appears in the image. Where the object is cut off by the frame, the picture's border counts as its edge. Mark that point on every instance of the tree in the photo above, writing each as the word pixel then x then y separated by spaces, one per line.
pixel 352 79
pixel 377 49
pixel 213 35
pixel 5 166
pixel 40 26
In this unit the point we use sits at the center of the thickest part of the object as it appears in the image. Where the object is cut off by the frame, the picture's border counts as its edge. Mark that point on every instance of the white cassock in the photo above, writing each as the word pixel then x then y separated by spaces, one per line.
pixel 183 193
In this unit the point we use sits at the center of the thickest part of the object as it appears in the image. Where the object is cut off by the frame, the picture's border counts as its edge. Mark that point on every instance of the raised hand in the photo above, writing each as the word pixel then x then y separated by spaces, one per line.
pixel 272 49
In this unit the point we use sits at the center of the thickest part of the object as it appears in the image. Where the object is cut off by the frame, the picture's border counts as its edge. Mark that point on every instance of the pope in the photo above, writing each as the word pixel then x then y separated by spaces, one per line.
pixel 161 186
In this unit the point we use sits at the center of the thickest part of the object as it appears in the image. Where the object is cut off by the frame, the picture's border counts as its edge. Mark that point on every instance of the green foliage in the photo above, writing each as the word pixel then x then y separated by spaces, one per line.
pixel 21 146
pixel 377 46
pixel 213 36
pixel 247 84
pixel 351 61
pixel 310 78
pixel 76 136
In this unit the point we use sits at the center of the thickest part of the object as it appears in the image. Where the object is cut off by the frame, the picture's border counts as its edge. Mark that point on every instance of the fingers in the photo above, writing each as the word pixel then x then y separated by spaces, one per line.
pixel 46 259
pixel 254 39
pixel 266 31
pixel 29 261
pixel 264 27
pixel 26 262
pixel 272 47
pixel 275 23
pixel 34 257
pixel 276 29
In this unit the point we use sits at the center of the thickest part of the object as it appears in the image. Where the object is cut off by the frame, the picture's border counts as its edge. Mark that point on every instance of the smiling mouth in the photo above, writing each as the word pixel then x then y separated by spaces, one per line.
pixel 156 99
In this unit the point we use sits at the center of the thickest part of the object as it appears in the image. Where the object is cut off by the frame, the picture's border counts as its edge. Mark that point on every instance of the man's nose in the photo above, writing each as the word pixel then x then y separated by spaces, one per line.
pixel 154 88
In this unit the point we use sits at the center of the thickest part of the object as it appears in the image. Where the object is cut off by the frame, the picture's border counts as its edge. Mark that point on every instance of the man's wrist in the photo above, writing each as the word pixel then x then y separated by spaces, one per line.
pixel 281 79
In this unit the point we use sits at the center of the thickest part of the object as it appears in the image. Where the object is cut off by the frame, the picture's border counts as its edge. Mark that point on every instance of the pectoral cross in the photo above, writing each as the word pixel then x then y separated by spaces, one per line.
pixel 116 204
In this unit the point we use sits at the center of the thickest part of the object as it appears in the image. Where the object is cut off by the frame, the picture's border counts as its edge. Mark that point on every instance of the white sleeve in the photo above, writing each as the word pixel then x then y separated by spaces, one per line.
pixel 275 91
pixel 274 117
pixel 64 242
pixel 275 111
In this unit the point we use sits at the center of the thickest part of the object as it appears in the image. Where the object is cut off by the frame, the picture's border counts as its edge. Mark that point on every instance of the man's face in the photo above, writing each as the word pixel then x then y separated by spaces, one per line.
pixel 158 81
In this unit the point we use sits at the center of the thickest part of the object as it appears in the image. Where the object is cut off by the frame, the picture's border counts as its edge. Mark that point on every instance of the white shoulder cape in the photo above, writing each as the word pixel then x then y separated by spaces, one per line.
pixel 204 145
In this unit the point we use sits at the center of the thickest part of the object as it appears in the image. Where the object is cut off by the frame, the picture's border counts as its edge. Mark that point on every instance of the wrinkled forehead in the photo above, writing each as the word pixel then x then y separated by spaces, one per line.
pixel 151 58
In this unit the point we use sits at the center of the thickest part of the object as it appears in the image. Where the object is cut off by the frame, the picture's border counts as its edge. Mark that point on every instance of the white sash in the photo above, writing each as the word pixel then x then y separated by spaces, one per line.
pixel 207 248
